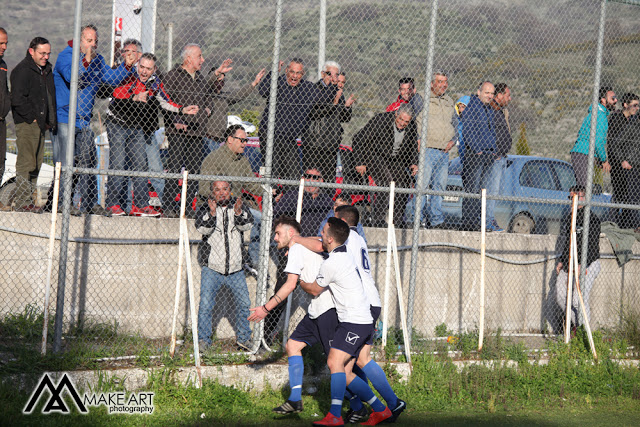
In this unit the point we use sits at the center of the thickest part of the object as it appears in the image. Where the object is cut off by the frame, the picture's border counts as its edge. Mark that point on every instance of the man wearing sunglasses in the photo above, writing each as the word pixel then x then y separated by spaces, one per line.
pixel 228 160
pixel 315 205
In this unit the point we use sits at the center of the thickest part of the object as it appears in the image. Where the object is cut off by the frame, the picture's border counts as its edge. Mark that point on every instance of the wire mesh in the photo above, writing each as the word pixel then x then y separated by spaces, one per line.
pixel 507 106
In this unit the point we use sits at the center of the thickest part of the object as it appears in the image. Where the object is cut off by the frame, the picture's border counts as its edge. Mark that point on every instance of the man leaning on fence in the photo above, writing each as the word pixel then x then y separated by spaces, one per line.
pixel 222 222
pixel 229 160
pixel 185 86
pixel 5 106
pixel 441 138
pixel 387 149
pixel 617 149
pixel 33 103
pixel 93 71
pixel 580 151
pixel 294 101
pixel 132 119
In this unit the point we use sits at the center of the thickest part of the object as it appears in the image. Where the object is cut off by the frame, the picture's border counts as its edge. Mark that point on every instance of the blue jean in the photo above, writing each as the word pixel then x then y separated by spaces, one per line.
pixel 210 283
pixel 155 163
pixel 85 156
pixel 254 237
pixel 493 186
pixel 436 168
pixel 59 140
pixel 476 168
pixel 127 151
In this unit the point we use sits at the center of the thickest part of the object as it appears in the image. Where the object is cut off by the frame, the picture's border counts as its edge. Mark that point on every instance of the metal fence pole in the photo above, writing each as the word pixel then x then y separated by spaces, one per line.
pixel 170 46
pixel 66 182
pixel 322 36
pixel 420 181
pixel 592 138
pixel 267 201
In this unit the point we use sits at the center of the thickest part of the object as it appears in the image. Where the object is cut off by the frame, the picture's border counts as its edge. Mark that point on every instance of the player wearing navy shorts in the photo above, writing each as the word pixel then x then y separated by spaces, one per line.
pixel 366 368
pixel 317 326
pixel 339 275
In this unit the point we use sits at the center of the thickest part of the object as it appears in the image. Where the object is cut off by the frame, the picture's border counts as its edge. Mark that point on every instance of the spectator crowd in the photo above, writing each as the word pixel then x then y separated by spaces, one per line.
pixel 308 129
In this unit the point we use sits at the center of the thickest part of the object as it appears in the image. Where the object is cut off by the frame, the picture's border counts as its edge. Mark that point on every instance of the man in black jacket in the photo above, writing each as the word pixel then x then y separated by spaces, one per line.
pixel 185 85
pixel 33 102
pixel 321 140
pixel 294 101
pixel 387 149
pixel 617 149
pixel 592 264
pixel 5 105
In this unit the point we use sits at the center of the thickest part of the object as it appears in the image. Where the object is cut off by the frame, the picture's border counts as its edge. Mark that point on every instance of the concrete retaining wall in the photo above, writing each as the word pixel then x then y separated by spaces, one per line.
pixel 133 285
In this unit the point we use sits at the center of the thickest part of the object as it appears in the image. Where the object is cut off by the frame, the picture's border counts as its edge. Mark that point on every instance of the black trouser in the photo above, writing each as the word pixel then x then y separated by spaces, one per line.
pixel 620 194
pixel 184 151
pixel 631 218
pixel 3 146
pixel 272 321
pixel 383 174
pixel 286 157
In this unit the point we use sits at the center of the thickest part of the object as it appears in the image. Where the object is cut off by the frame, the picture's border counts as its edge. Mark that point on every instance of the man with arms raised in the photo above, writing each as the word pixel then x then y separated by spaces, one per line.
pixel 93 72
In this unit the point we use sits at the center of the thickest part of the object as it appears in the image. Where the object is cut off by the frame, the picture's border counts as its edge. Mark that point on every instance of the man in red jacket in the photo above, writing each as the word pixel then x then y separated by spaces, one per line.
pixel 132 121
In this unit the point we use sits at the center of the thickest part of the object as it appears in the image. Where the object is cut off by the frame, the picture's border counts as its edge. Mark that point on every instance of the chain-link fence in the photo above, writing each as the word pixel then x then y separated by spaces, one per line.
pixel 446 97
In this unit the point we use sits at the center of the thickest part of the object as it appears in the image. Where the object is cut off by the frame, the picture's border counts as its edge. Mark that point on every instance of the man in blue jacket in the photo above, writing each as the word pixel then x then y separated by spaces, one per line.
pixel 479 136
pixel 580 150
pixel 93 72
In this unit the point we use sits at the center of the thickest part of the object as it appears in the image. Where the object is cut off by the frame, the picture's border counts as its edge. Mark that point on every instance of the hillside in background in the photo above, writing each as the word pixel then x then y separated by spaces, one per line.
pixel 544 51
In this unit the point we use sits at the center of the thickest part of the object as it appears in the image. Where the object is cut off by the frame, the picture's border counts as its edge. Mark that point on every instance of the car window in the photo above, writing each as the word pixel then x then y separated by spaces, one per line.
pixel 565 175
pixel 537 174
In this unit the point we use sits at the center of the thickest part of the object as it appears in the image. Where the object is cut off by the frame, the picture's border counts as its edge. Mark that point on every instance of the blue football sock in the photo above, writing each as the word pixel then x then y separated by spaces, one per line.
pixel 379 380
pixel 365 394
pixel 296 370
pixel 359 372
pixel 354 401
pixel 338 387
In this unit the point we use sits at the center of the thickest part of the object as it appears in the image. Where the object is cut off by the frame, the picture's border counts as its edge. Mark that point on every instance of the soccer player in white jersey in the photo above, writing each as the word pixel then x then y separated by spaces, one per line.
pixel 339 275
pixel 317 326
pixel 366 368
